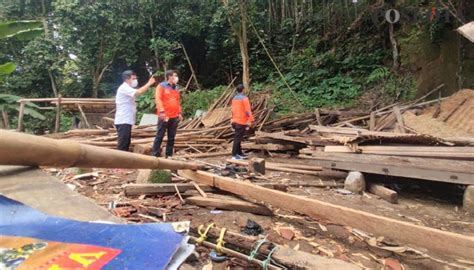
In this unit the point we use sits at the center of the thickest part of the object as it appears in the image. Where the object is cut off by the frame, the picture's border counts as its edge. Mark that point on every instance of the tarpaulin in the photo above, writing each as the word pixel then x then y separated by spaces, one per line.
pixel 29 234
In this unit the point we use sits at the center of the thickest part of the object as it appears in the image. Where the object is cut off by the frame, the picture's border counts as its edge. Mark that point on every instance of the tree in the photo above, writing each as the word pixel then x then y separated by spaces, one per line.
pixel 237 17
pixel 98 33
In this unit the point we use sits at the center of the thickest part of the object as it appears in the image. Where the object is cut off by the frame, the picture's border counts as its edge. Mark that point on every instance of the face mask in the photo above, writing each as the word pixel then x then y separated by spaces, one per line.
pixel 175 80
pixel 134 83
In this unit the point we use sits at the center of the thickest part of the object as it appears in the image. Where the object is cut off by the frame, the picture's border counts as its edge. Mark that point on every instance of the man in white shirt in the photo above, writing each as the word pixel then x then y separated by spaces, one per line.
pixel 126 108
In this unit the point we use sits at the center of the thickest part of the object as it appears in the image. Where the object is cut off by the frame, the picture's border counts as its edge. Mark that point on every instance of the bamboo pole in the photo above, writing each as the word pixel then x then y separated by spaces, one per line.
pixel 190 66
pixel 21 112
pixel 29 150
pixel 58 116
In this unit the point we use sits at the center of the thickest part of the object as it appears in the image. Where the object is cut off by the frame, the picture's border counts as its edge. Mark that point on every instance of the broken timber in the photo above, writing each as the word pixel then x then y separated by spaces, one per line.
pixel 231 204
pixel 155 189
pixel 442 242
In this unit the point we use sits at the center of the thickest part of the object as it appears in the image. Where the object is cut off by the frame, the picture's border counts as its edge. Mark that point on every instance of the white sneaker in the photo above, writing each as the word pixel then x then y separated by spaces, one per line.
pixel 236 157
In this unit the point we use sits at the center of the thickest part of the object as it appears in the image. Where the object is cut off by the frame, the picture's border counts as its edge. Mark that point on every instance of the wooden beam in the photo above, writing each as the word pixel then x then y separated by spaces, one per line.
pixel 372 121
pixel 230 204
pixel 442 170
pixel 268 146
pixel 281 165
pixel 83 116
pixel 387 194
pixel 398 115
pixel 156 189
pixel 441 242
pixel 318 117
pixel 199 189
pixel 448 152
pixel 315 172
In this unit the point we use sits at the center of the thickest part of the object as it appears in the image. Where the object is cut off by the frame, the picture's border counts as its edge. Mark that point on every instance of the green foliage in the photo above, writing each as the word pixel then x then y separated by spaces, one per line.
pixel 378 74
pixel 199 100
pixel 23 30
pixel 9 104
pixel 146 103
pixel 7 68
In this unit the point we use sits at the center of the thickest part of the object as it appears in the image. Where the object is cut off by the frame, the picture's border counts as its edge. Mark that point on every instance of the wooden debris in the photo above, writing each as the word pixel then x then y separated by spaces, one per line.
pixel 316 172
pixel 387 194
pixel 156 189
pixel 447 243
pixel 199 189
pixel 231 204
pixel 179 193
pixel 293 259
pixel 256 165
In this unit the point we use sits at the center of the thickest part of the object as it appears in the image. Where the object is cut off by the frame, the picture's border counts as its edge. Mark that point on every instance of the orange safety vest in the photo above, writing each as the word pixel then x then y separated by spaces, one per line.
pixel 241 110
pixel 169 96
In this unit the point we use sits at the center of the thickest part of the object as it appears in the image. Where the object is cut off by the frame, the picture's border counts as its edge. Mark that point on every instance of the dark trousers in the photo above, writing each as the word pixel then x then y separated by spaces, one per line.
pixel 239 135
pixel 171 126
pixel 124 132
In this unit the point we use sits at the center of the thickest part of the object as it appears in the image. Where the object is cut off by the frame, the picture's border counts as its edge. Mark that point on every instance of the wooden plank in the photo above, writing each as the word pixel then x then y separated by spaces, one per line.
pixel 413 151
pixel 268 146
pixel 202 155
pixel 282 165
pixel 199 189
pixel 156 189
pixel 372 121
pixel 448 171
pixel 326 173
pixel 441 242
pixel 84 116
pixel 230 204
pixel 398 115
pixel 318 117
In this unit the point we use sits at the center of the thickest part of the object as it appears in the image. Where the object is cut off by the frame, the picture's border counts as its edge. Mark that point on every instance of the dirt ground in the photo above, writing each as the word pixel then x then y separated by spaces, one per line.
pixel 420 202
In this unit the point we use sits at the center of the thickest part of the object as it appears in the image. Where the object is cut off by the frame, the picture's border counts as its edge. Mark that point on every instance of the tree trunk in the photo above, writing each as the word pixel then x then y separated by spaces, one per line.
pixel 243 42
pixel 152 29
pixel 393 41
pixel 46 34
pixel 95 87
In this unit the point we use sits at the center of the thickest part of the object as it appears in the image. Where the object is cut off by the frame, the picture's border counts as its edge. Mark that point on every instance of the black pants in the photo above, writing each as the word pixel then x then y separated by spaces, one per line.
pixel 171 126
pixel 124 132
pixel 239 135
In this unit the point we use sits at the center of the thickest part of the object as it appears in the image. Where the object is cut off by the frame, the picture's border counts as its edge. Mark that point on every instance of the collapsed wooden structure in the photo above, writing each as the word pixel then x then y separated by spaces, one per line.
pixel 389 141
pixel 80 105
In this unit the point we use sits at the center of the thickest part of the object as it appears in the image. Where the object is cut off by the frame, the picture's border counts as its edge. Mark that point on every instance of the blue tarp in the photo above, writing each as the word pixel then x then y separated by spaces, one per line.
pixel 141 246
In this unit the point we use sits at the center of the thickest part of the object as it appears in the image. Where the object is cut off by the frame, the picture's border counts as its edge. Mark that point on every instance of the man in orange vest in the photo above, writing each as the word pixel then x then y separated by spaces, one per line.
pixel 242 119
pixel 168 108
